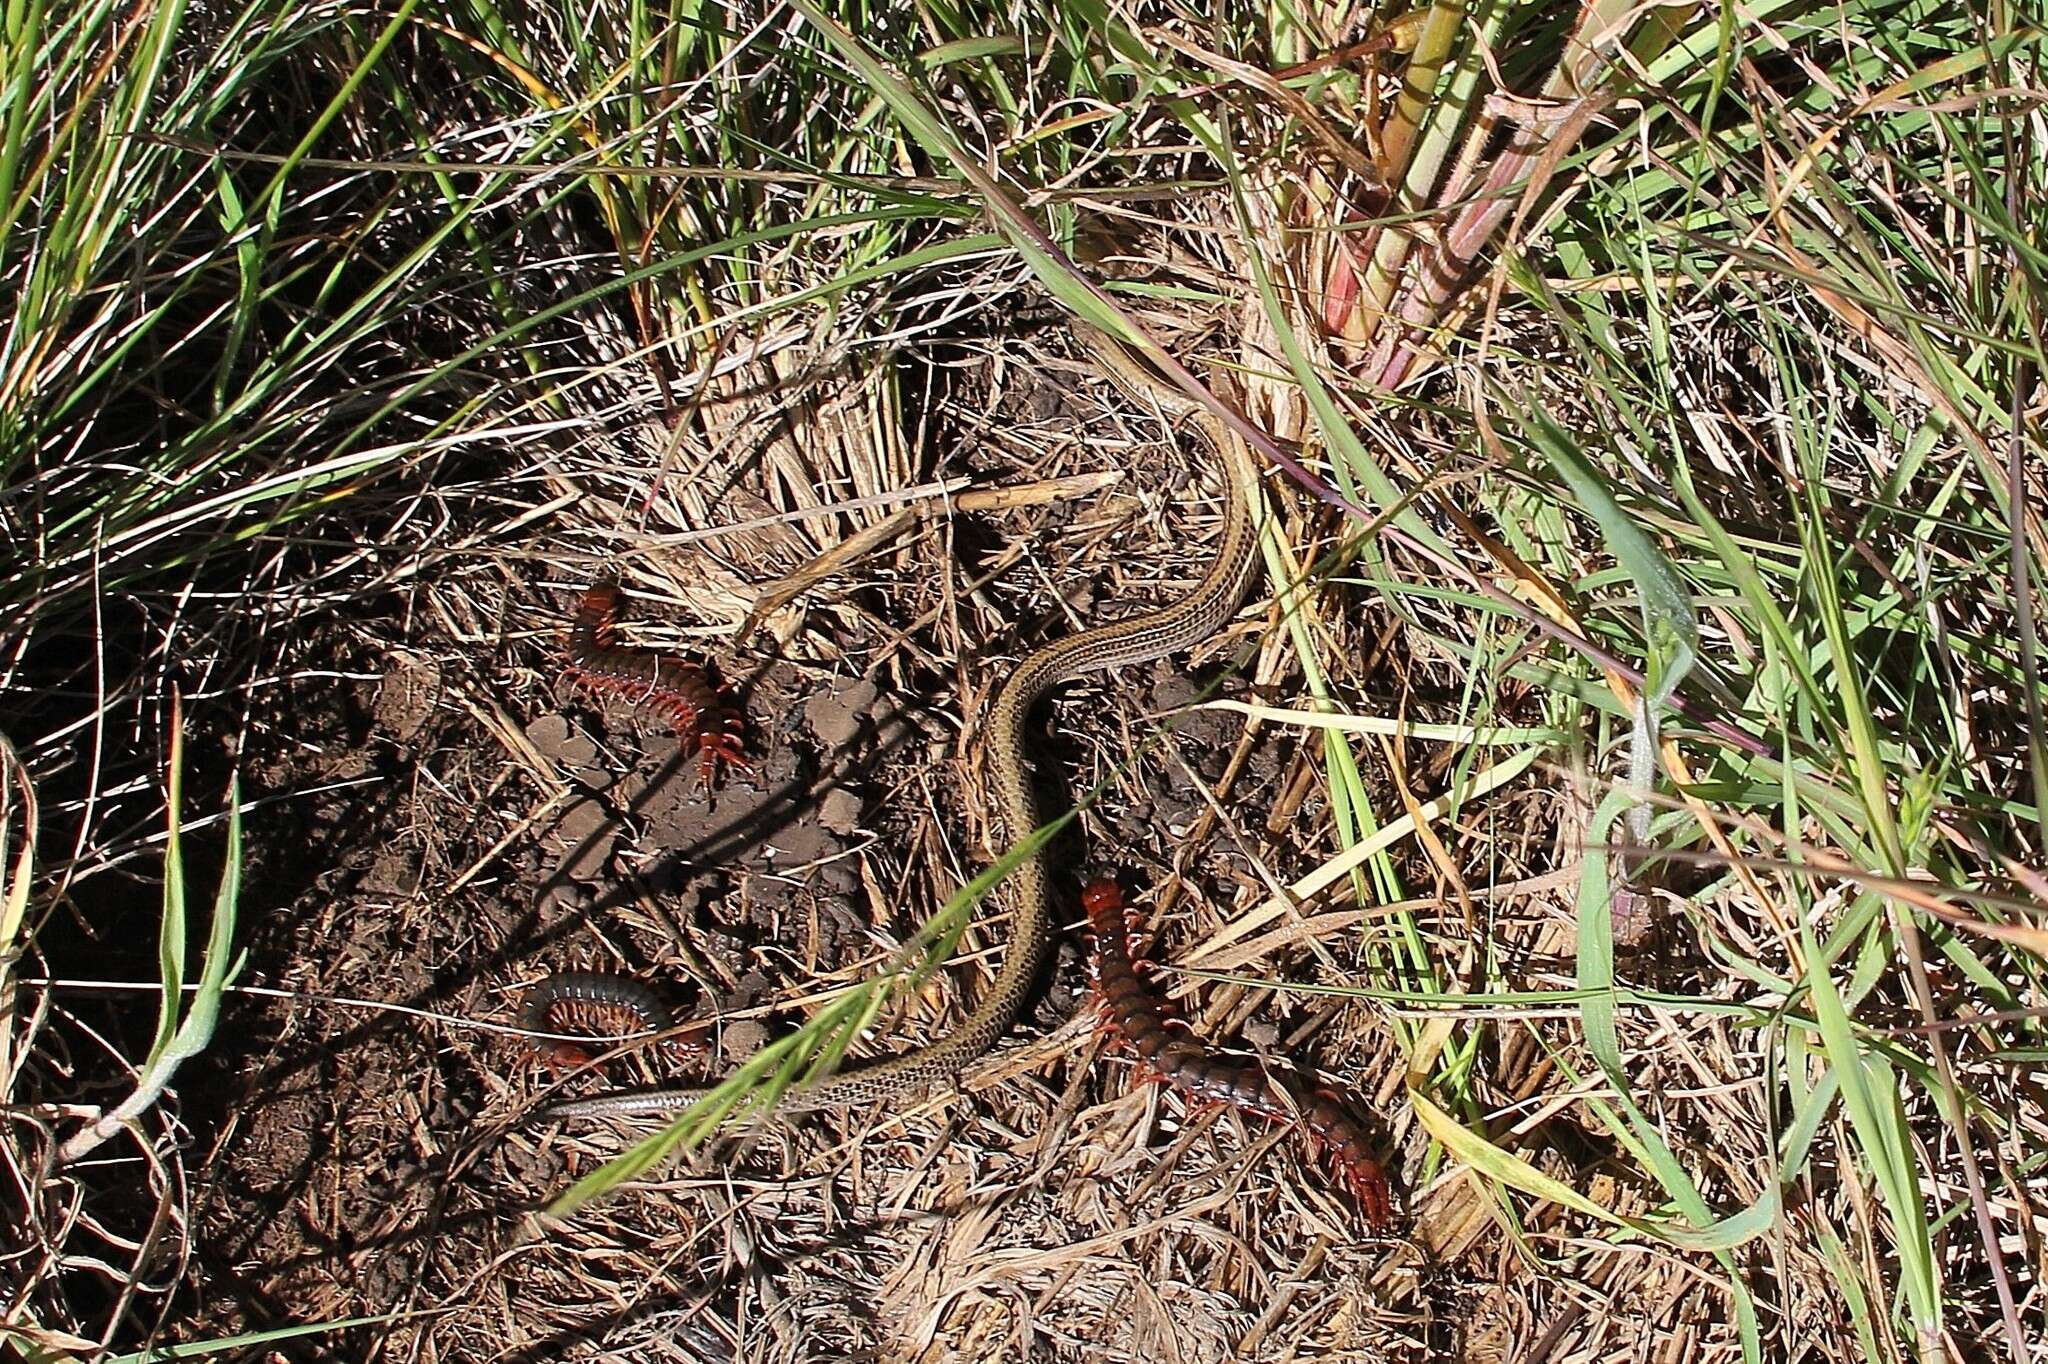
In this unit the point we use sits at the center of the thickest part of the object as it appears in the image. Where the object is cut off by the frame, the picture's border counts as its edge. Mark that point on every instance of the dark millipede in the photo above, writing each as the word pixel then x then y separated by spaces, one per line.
pixel 592 1003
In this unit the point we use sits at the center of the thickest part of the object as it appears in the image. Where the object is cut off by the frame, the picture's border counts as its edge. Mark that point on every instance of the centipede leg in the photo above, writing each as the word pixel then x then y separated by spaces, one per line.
pixel 1333 1133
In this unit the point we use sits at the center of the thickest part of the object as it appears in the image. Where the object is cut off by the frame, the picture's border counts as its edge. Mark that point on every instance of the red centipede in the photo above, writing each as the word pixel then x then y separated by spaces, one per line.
pixel 1147 1021
pixel 678 688
pixel 594 1004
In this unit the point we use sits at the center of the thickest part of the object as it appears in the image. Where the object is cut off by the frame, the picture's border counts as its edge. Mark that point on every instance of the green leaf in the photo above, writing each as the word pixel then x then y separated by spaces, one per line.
pixel 1671 634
